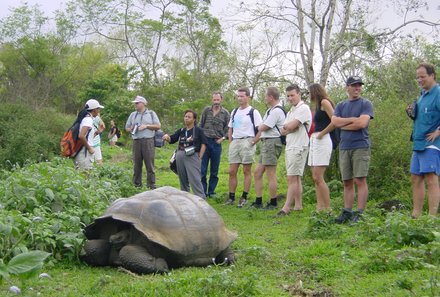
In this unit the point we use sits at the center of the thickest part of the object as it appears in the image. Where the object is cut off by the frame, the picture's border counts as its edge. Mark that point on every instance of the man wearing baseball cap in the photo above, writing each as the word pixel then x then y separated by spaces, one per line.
pixel 353 116
pixel 84 159
pixel 142 125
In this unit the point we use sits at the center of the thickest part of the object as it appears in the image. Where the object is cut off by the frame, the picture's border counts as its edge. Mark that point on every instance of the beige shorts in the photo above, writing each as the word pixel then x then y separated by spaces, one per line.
pixel 114 139
pixel 270 151
pixel 320 150
pixel 241 151
pixel 296 161
pixel 84 160
pixel 354 163
pixel 97 156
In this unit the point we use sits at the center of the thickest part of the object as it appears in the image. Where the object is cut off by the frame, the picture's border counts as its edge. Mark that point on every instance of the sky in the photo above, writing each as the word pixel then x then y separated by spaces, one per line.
pixel 219 8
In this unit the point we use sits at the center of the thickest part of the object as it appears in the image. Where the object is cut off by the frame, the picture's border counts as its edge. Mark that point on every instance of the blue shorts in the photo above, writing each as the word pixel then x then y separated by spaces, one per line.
pixel 426 161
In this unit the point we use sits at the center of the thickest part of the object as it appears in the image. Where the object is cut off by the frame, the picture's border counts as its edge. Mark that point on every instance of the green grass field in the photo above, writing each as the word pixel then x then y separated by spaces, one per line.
pixel 302 254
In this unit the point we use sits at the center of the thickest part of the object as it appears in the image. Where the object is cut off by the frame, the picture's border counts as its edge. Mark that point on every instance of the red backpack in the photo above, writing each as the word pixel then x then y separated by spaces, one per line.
pixel 70 143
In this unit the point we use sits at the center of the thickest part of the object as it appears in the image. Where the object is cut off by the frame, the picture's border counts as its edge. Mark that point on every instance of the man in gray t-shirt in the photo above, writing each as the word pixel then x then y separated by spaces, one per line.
pixel 352 116
pixel 142 125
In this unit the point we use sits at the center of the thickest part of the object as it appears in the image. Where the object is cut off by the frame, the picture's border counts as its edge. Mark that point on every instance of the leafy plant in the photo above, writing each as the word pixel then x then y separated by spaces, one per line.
pixel 24 265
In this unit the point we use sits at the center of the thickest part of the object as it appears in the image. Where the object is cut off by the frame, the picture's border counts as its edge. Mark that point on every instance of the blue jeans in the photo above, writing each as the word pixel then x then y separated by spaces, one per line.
pixel 213 151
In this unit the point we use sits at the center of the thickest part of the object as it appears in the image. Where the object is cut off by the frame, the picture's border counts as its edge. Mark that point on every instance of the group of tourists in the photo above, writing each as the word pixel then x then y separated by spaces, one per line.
pixel 199 145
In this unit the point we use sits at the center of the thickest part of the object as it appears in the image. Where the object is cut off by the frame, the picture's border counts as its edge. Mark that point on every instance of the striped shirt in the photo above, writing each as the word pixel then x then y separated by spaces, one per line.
pixel 215 126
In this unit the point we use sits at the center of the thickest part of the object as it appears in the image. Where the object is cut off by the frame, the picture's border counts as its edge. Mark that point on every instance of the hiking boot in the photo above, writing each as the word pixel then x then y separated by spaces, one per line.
pixel 270 206
pixel 230 202
pixel 256 205
pixel 356 217
pixel 242 202
pixel 345 216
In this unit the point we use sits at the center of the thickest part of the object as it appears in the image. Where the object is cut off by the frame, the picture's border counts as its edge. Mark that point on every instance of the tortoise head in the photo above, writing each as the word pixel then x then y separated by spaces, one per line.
pixel 119 239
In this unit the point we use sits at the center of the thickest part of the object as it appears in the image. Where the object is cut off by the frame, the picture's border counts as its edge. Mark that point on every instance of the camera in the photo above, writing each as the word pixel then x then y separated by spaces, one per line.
pixel 135 128
pixel 190 150
pixel 411 109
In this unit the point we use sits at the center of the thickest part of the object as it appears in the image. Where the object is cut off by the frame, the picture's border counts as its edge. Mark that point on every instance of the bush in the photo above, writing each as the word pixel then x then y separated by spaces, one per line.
pixel 29 135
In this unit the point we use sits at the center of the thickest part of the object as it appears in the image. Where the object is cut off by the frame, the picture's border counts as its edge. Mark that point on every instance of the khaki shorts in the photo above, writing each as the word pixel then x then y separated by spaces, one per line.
pixel 354 163
pixel 84 160
pixel 296 161
pixel 241 151
pixel 270 151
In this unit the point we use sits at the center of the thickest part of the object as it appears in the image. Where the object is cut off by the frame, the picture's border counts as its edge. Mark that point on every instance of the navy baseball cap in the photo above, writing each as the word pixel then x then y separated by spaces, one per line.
pixel 352 80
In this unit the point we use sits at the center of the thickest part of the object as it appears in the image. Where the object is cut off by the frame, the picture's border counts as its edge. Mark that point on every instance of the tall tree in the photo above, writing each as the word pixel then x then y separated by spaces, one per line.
pixel 319 33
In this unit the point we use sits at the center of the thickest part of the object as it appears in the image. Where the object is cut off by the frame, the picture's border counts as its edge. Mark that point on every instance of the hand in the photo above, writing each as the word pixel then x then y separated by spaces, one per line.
pixel 319 136
pixel 431 137
pixel 166 138
pixel 91 150
pixel 143 127
pixel 219 140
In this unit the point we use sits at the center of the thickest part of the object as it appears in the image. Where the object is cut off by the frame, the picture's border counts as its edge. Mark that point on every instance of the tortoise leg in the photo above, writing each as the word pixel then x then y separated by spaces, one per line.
pixel 226 256
pixel 137 259
pixel 96 252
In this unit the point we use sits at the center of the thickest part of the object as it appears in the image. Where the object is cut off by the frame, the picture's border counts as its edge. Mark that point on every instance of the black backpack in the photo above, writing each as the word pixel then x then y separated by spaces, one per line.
pixel 282 137
pixel 118 132
pixel 251 114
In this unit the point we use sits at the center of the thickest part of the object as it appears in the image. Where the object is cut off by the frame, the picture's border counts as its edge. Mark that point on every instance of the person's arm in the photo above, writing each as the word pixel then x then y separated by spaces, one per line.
pixel 202 150
pixel 129 125
pixel 112 133
pixel 261 128
pixel 433 135
pixel 358 123
pixel 290 126
pixel 339 122
pixel 328 108
pixel 230 135
pixel 83 138
pixel 155 125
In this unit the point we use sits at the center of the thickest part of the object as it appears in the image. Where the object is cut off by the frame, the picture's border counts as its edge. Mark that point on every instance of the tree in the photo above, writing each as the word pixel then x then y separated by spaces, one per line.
pixel 320 34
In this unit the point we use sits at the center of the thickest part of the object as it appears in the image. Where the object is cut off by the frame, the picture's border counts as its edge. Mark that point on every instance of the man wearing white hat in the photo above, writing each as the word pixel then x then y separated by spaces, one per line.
pixel 142 125
pixel 84 159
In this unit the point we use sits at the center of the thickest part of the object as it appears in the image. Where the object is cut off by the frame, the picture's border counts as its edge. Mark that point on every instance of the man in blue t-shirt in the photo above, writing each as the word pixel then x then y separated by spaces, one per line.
pixel 425 161
pixel 353 116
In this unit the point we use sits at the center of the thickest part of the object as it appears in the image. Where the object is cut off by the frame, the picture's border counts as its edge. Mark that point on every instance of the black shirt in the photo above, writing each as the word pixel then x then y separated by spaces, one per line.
pixel 321 120
pixel 194 136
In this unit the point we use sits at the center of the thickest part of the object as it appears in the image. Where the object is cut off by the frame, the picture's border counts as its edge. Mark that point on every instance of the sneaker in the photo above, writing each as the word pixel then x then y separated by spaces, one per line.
pixel 242 202
pixel 256 205
pixel 270 206
pixel 230 202
pixel 356 217
pixel 345 216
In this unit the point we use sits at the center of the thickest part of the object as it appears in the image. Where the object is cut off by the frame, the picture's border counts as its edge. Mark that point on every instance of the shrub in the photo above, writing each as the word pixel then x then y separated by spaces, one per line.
pixel 29 135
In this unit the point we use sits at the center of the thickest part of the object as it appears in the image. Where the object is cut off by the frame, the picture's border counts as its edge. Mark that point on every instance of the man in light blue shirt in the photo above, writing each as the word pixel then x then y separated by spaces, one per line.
pixel 425 161
pixel 142 125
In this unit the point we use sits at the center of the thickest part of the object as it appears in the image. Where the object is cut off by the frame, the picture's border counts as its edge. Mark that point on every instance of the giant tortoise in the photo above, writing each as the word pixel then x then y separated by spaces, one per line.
pixel 157 230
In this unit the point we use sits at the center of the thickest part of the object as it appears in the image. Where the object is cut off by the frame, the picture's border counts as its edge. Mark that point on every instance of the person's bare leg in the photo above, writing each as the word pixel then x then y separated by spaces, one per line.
pixel 418 189
pixel 433 193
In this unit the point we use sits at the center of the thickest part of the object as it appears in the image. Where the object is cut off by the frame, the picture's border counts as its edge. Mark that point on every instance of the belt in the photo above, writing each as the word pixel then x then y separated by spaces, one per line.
pixel 243 137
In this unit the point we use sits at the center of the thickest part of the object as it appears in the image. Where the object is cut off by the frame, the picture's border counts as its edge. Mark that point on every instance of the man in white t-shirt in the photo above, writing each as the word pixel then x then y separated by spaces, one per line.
pixel 84 159
pixel 269 134
pixel 296 126
pixel 242 130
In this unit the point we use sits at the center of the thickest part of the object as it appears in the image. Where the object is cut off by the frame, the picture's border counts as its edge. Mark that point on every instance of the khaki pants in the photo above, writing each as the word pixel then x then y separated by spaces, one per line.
pixel 144 151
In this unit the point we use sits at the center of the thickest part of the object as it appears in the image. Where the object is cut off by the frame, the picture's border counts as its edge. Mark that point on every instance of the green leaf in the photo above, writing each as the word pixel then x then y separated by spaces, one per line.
pixel 3 270
pixel 49 193
pixel 26 262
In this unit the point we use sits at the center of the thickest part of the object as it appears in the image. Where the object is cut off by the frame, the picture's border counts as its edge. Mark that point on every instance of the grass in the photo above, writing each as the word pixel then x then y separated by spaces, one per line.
pixel 302 254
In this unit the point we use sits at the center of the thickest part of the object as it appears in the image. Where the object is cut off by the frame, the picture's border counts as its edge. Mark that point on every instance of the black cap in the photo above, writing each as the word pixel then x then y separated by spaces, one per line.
pixel 352 80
